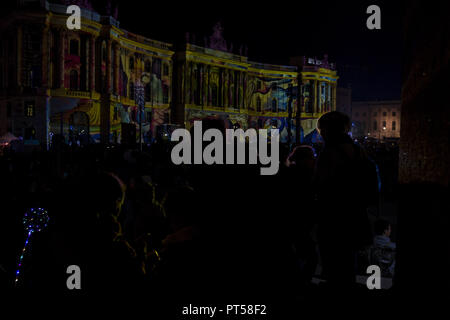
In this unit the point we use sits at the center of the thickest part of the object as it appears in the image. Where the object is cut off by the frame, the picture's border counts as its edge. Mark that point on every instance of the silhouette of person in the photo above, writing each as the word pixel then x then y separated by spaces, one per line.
pixel 346 184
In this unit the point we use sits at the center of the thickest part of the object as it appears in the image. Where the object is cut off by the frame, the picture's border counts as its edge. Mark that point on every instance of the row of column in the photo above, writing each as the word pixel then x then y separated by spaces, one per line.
pixel 93 44
pixel 208 86
pixel 328 103
pixel 60 37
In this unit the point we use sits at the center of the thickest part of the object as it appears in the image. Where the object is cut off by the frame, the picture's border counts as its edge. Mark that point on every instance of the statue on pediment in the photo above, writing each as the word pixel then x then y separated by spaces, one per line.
pixel 216 40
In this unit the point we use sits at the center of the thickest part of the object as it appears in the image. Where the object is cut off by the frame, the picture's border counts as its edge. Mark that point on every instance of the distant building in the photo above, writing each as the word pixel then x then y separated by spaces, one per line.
pixel 344 101
pixel 377 119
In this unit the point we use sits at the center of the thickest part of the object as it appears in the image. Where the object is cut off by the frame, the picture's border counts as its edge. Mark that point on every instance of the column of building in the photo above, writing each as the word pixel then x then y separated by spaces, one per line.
pixel 225 88
pixel 208 86
pixel 319 96
pixel 333 94
pixel 91 72
pixel 61 51
pixel 201 84
pixel 244 89
pixel 19 42
pixel 116 67
pixel 105 109
pixel 46 39
pixel 45 56
pixel 237 90
pixel 314 96
pixel 192 83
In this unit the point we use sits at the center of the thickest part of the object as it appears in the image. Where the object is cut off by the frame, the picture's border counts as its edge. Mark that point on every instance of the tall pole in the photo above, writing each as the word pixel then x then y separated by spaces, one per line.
pixel 289 124
pixel 140 101
pixel 140 128
pixel 140 98
pixel 299 105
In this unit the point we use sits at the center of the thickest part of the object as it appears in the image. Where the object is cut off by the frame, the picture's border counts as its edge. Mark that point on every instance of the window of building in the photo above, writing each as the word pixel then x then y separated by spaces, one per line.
pixel 165 89
pixel 29 109
pixel 309 106
pixel 274 105
pixel 148 66
pixel 393 126
pixel 148 92
pixel 384 114
pixel 258 104
pixel 19 108
pixel 394 113
pixel 116 113
pixel 131 95
pixel 30 133
pixel 258 85
pixel 74 47
pixel 149 116
pixel 157 67
pixel 73 80
pixel 375 125
pixel 131 63
pixel 166 69
pixel 384 124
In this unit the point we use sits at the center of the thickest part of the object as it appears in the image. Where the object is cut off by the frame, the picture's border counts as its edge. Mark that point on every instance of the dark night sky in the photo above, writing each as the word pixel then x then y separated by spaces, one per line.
pixel 368 60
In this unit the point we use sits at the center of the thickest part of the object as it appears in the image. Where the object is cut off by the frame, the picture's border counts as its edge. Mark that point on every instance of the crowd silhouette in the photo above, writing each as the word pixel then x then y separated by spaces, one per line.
pixel 133 221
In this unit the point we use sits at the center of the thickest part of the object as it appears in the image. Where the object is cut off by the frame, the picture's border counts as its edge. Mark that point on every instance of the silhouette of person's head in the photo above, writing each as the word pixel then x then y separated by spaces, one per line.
pixel 302 157
pixel 333 125
pixel 382 227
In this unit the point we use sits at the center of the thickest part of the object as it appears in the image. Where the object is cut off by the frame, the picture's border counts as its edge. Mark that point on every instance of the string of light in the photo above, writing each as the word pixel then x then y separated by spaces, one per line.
pixel 35 220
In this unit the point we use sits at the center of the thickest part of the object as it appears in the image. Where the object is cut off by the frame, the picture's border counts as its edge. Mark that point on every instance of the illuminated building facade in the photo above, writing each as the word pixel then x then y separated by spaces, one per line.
pixel 376 119
pixel 74 82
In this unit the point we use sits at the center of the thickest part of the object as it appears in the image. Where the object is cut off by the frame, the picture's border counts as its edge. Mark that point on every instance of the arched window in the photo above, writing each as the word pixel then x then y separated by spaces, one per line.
pixel 131 95
pixel 274 105
pixel 73 80
pixel 74 47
